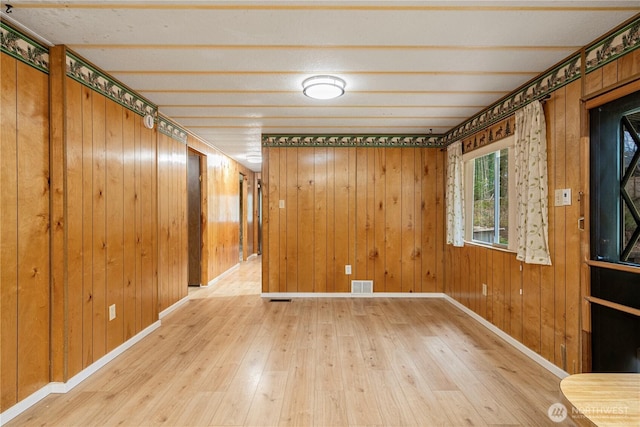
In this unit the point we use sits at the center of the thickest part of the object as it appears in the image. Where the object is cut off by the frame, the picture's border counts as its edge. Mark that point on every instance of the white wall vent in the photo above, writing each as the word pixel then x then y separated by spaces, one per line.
pixel 360 287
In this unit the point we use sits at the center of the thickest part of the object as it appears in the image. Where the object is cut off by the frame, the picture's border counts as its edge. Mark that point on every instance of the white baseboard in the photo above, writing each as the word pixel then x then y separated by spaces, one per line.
pixel 509 339
pixel 173 307
pixel 223 275
pixel 252 256
pixel 287 295
pixel 58 387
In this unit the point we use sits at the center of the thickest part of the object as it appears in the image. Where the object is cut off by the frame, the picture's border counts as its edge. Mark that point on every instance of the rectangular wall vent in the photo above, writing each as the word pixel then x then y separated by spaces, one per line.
pixel 360 287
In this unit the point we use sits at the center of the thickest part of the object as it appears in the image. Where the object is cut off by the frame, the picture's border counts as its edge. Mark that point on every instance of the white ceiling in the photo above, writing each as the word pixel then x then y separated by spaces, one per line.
pixel 231 70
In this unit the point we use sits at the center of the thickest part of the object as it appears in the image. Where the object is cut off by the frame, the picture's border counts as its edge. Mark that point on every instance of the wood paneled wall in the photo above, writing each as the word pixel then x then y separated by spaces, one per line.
pixel 104 245
pixel 172 221
pixel 379 210
pixel 619 71
pixel 537 305
pixel 24 231
pixel 221 179
pixel 90 198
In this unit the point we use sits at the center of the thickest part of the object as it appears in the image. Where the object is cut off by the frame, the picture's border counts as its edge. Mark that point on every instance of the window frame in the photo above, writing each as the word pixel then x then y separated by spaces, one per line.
pixel 468 165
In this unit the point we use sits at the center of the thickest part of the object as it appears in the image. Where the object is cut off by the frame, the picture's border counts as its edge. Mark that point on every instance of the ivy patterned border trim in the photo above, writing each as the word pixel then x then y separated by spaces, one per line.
pixel 559 76
pixel 171 130
pixel 613 47
pixel 95 79
pixel 24 49
pixel 351 140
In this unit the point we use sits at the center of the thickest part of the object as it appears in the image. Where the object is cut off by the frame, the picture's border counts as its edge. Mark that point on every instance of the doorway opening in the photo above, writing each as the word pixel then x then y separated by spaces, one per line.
pixel 259 211
pixel 241 217
pixel 194 216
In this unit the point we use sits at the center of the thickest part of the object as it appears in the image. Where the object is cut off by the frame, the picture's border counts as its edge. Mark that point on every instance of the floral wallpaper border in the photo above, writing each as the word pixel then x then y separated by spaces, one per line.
pixel 351 140
pixel 613 47
pixel 554 79
pixel 172 130
pixel 95 79
pixel 21 47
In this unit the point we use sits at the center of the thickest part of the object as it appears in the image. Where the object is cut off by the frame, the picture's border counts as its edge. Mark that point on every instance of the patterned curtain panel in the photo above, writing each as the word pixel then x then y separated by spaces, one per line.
pixel 455 195
pixel 531 185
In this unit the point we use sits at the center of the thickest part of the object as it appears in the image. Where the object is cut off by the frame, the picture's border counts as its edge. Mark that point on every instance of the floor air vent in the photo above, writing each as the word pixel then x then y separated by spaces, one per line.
pixel 362 287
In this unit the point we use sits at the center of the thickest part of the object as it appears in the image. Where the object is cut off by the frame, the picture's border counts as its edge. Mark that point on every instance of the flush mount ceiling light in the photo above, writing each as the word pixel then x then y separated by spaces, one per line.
pixel 323 87
pixel 254 158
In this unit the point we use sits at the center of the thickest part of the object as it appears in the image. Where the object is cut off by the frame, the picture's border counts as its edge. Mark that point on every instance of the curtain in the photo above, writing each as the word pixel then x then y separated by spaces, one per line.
pixel 531 185
pixel 455 195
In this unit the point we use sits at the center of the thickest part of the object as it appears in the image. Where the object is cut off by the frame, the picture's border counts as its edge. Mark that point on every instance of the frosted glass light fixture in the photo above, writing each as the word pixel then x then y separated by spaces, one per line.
pixel 323 87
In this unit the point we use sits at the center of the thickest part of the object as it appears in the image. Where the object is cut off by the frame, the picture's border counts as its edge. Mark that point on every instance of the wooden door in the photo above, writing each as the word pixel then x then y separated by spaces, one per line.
pixel 194 196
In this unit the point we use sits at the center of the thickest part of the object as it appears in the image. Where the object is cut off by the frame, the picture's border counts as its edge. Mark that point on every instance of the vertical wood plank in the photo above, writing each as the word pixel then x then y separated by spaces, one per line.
pixel 418 206
pixel 331 219
pixel 573 258
pixel 531 306
pixel 271 222
pixel 393 220
pixel 379 218
pixel 440 219
pixel 129 306
pixel 306 219
pixel 557 245
pixel 341 226
pixel 291 207
pixel 115 222
pixel 370 208
pixel 352 197
pixel 361 223
pixel 33 230
pixel 57 81
pixel 516 299
pixel 497 290
pixel 429 210
pixel 547 279
pixel 282 235
pixel 320 220
pixel 87 227
pixel 407 211
pixel 100 317
pixel 593 81
pixel 138 171
pixel 610 73
pixel 8 233
pixel 74 215
pixel 265 217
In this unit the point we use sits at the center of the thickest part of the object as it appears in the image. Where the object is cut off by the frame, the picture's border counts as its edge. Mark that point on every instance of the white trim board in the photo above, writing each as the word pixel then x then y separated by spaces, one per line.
pixel 173 307
pixel 288 295
pixel 499 332
pixel 58 387
pixel 222 275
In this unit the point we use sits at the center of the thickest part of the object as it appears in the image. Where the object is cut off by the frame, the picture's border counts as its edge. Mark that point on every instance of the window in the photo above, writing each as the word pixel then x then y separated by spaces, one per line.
pixel 490 218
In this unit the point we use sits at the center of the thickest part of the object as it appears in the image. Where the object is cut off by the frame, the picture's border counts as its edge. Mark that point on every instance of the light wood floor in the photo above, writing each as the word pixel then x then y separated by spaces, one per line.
pixel 229 357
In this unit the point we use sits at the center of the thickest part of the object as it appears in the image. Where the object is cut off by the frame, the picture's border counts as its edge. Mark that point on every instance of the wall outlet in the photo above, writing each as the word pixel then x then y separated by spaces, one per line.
pixel 112 311
pixel 484 289
pixel 281 204
pixel 347 269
